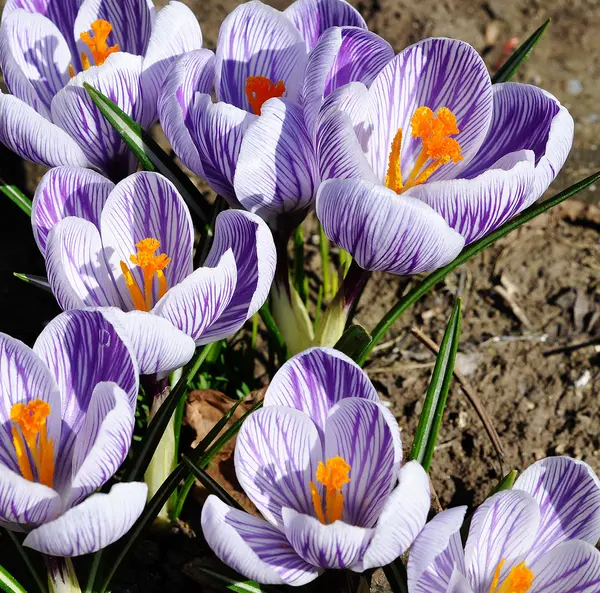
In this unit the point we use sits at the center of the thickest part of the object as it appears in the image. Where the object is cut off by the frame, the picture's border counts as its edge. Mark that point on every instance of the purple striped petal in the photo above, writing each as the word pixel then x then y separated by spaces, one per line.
pixel 75 112
pixel 458 583
pixel 76 266
pixel 313 17
pixel 336 546
pixel 503 529
pixel 193 72
pixel 436 552
pixel 35 138
pixel 92 525
pixel 475 207
pixel 196 303
pixel 103 441
pixel 147 205
pixel 402 518
pixel 67 191
pixel 315 380
pixel 258 40
pixel 32 48
pixel 131 20
pixel 384 231
pixel 434 73
pixel 276 172
pixel 24 378
pixel 526 118
pixel 572 567
pixel 253 248
pixel 357 431
pixel 252 546
pixel 568 492
pixel 276 457
pixel 343 55
pixel 175 32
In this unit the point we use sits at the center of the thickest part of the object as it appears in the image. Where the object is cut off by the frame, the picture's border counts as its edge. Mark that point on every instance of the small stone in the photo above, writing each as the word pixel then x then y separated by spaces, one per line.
pixel 574 87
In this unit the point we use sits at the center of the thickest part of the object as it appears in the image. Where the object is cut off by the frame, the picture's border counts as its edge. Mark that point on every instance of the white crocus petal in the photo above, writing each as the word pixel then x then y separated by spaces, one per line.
pixel 92 525
pixel 459 583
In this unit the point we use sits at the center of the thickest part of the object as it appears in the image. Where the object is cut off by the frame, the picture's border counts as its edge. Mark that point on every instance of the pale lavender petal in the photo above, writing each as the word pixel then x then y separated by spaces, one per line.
pixel 343 55
pixel 252 546
pixel 436 552
pixel 92 525
pixel 196 303
pixel 336 546
pixel 217 130
pixel 313 17
pixel 383 231
pixel 475 207
pixel 147 205
pixel 357 431
pixel 568 492
pixel 67 191
pixel 315 380
pixel 75 263
pixel 434 73
pixel 276 173
pixel 401 520
pixel 175 32
pixel 503 529
pixel 276 457
pixel 258 40
pixel 103 441
pixel 458 583
pixel 33 54
pixel 572 567
pixel 251 242
pixel 35 138
pixel 193 72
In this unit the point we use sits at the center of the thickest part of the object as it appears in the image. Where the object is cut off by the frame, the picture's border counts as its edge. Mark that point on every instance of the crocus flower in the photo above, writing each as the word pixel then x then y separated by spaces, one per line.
pixel 131 246
pixel 267 164
pixel 321 462
pixel 68 412
pixel 537 538
pixel 49 49
pixel 426 147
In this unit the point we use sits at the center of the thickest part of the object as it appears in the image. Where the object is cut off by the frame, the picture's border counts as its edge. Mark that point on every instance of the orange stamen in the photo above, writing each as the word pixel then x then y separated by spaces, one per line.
pixel 518 580
pixel 260 89
pixel 333 475
pixel 96 41
pixel 393 179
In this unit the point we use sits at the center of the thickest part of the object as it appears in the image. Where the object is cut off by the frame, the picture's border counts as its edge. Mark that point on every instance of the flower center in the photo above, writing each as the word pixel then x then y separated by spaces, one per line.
pixel 96 41
pixel 518 580
pixel 333 475
pixel 260 89
pixel 30 439
pixel 151 265
pixel 437 148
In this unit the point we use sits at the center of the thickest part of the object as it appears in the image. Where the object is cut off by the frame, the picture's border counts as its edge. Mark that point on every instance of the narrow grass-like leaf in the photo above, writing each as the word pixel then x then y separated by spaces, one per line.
pixel 506 483
pixel 16 196
pixel 231 582
pixel 273 330
pixel 353 341
pixel 395 573
pixel 437 393
pixel 514 62
pixel 31 569
pixel 150 155
pixel 39 281
pixel 299 277
pixel 8 583
pixel 467 253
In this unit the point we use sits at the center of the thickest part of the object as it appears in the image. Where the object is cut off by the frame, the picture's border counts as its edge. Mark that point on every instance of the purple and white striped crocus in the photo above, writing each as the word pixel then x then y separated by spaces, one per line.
pixel 49 49
pixel 131 245
pixel 538 537
pixel 267 164
pixel 68 411
pixel 321 462
pixel 424 153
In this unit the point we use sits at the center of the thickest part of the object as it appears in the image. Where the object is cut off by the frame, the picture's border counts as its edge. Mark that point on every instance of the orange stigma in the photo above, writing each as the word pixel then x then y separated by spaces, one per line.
pixel 260 89
pixel 97 43
pixel 333 475
pixel 437 148
pixel 30 438
pixel 518 580
pixel 151 265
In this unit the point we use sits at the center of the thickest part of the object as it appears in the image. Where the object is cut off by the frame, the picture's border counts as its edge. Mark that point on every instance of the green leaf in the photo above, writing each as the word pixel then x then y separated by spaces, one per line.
pixel 506 483
pixel 353 341
pixel 39 281
pixel 8 583
pixel 395 573
pixel 510 67
pixel 32 571
pixel 467 253
pixel 299 258
pixel 229 580
pixel 273 330
pixel 16 196
pixel 437 393
pixel 150 155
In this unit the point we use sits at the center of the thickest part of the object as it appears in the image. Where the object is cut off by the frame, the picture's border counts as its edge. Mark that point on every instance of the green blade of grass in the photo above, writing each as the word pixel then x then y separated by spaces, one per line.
pixel 8 583
pixel 17 197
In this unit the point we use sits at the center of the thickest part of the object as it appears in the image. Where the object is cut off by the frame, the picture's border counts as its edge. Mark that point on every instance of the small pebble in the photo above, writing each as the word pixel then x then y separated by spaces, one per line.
pixel 574 86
